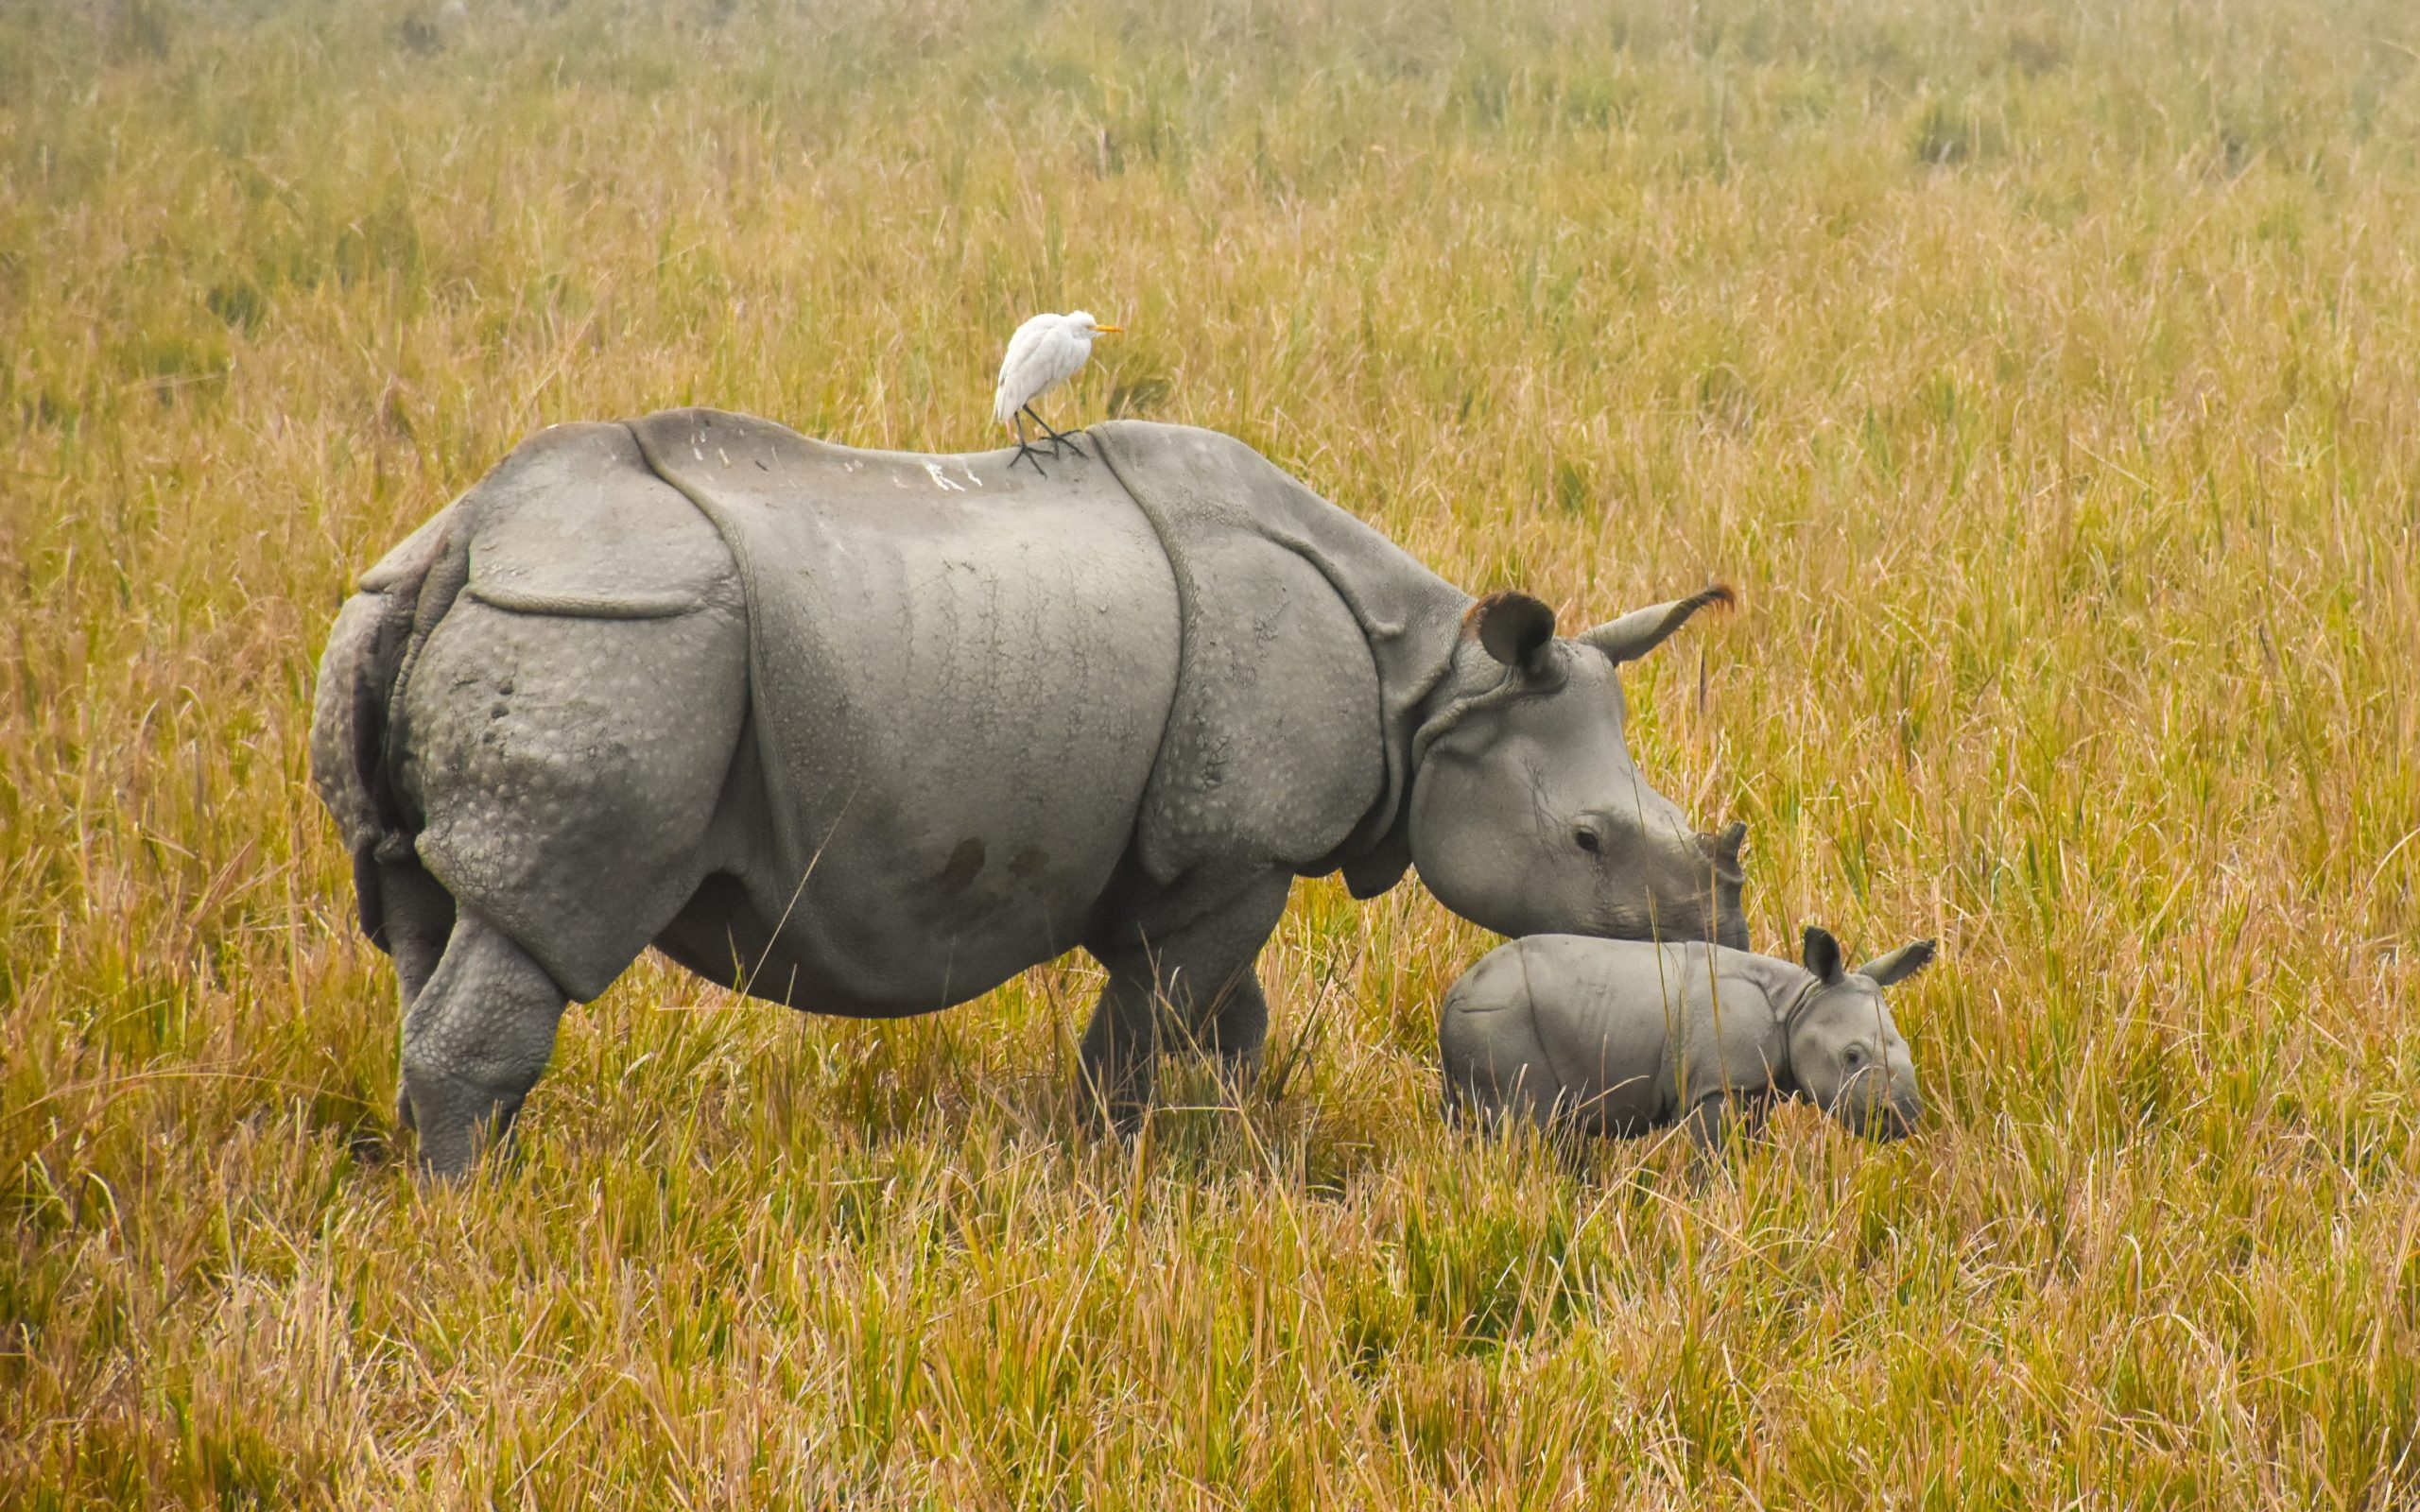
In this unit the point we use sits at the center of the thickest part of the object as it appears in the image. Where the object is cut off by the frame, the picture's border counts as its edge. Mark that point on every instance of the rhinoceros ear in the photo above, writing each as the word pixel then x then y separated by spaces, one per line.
pixel 1642 630
pixel 1512 626
pixel 1901 964
pixel 1823 956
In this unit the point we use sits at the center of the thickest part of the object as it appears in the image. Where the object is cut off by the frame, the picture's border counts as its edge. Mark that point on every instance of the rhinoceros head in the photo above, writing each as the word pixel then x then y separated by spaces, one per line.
pixel 1528 815
pixel 1844 1050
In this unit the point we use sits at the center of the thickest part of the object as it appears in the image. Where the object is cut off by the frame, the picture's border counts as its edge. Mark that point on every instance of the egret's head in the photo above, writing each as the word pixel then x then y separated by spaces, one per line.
pixel 1087 327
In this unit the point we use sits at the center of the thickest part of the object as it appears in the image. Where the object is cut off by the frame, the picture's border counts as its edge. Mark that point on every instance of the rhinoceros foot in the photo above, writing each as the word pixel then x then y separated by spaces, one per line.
pixel 478 1037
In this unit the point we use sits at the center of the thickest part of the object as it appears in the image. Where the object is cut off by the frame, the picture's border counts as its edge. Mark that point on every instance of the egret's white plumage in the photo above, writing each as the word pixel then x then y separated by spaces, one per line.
pixel 1045 352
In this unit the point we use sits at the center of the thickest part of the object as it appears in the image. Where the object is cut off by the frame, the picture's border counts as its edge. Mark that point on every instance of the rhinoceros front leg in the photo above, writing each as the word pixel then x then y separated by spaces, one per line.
pixel 1719 1121
pixel 476 1038
pixel 1198 976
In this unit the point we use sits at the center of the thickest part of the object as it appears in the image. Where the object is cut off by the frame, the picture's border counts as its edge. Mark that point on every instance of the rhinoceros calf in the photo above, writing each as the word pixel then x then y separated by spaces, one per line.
pixel 868 733
pixel 1622 1037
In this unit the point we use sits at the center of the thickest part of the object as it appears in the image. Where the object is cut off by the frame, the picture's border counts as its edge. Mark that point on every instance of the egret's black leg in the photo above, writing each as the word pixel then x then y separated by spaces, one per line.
pixel 1025 451
pixel 1057 438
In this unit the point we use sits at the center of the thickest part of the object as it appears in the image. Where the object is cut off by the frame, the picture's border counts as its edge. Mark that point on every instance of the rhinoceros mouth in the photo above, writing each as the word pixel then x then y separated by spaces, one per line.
pixel 1876 1113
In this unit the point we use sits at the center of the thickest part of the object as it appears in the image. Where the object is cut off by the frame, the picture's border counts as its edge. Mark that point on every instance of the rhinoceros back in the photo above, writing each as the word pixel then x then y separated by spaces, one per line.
pixel 958 679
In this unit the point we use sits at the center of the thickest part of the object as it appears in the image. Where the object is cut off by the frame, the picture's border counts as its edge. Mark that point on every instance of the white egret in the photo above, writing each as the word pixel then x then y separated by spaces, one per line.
pixel 1045 351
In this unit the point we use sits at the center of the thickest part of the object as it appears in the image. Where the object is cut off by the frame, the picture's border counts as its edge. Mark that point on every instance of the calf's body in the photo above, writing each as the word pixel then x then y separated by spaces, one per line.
pixel 1624 1036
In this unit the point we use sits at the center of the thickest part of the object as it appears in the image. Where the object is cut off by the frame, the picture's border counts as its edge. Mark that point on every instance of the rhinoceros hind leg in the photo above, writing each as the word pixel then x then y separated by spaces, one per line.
pixel 417 919
pixel 474 1041
pixel 1199 977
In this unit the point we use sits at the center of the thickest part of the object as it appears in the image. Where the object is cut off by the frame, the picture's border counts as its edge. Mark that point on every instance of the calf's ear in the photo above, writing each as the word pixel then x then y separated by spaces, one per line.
pixel 1823 956
pixel 1901 964
pixel 1642 630
pixel 1512 626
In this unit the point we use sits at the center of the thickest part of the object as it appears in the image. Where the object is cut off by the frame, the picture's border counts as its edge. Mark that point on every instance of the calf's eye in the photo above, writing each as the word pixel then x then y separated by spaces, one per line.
pixel 1586 840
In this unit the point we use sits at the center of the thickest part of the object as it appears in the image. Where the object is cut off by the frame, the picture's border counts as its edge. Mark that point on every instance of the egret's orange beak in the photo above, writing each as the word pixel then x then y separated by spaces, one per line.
pixel 1107 330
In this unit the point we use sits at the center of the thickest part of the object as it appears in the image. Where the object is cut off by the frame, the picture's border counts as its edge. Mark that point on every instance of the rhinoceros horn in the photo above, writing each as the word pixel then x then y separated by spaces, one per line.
pixel 1642 630
pixel 1722 847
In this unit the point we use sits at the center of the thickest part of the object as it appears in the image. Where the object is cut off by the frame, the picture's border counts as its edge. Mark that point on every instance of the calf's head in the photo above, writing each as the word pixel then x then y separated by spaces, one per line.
pixel 1528 815
pixel 1844 1050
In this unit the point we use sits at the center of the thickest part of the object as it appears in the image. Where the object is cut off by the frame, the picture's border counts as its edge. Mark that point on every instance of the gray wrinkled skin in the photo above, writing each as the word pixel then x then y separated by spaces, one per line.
pixel 868 734
pixel 1528 816
pixel 1623 1036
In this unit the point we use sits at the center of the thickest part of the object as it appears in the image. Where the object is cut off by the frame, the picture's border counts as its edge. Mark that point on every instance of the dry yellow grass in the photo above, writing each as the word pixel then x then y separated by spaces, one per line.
pixel 2046 376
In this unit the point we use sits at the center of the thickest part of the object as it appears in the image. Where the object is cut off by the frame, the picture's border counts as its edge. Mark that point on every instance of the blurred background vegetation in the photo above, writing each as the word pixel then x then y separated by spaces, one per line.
pixel 2043 374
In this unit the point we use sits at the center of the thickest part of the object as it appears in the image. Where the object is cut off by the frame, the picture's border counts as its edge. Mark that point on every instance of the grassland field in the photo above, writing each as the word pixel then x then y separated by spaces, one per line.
pixel 2045 375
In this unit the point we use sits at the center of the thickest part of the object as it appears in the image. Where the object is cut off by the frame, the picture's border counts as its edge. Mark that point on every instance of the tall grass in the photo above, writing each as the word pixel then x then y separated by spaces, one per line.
pixel 2046 375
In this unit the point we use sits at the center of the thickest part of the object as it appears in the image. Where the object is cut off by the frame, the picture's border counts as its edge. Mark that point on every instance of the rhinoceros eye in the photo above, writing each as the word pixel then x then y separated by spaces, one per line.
pixel 1854 1056
pixel 1586 840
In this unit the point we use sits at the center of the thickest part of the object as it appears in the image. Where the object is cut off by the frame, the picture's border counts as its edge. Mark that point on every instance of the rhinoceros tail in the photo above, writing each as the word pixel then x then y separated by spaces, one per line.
pixel 369 650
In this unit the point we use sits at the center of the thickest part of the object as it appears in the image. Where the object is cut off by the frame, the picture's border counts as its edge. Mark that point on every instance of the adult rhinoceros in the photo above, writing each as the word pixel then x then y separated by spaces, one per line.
pixel 868 734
